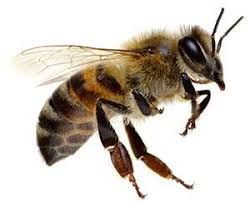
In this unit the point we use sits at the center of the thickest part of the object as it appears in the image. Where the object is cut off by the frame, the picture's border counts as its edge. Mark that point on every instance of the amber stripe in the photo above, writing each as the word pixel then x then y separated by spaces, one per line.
pixel 88 98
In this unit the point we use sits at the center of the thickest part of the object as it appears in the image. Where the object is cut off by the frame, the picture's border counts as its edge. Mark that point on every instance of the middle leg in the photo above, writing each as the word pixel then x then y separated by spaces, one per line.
pixel 154 163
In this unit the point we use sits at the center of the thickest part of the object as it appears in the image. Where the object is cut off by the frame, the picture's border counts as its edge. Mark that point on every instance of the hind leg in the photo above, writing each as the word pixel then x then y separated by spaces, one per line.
pixel 118 152
pixel 153 162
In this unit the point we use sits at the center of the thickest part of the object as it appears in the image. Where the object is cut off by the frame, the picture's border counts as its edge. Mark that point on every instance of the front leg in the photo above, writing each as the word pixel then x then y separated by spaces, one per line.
pixel 144 105
pixel 191 94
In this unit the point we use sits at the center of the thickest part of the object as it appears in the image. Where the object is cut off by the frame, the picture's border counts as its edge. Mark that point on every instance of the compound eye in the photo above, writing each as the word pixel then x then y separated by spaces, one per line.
pixel 192 49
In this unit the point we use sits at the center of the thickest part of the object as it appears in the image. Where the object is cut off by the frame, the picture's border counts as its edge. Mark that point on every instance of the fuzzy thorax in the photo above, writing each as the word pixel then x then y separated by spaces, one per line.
pixel 156 72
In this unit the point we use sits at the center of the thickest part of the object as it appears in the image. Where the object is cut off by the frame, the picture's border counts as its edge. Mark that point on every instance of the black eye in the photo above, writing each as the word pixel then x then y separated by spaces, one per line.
pixel 192 49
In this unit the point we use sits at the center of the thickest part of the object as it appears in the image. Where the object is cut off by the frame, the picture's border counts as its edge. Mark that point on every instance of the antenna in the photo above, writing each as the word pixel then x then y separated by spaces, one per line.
pixel 226 33
pixel 215 29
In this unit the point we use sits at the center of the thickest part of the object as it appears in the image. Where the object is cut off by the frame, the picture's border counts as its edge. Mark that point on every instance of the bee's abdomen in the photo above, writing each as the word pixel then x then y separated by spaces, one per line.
pixel 64 125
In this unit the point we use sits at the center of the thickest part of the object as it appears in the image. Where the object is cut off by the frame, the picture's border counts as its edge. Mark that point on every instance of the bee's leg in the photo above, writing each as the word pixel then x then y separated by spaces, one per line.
pixel 154 163
pixel 119 154
pixel 197 109
pixel 191 94
pixel 144 105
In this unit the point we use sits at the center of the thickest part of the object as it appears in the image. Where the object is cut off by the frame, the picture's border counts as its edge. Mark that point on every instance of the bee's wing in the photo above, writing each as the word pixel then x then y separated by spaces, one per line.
pixel 59 62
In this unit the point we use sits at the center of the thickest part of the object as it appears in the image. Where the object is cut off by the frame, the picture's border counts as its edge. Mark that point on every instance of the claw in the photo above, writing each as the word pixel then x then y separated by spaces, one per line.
pixel 161 110
pixel 188 186
pixel 189 126
pixel 156 111
pixel 132 180
pixel 184 133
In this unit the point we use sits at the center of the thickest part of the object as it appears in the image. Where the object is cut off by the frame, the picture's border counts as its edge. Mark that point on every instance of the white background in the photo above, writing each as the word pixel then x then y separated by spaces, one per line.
pixel 215 156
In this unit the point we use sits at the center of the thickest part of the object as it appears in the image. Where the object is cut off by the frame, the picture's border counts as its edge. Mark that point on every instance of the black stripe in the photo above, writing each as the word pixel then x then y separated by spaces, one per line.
pixel 49 141
pixel 55 126
pixel 62 104
pixel 61 125
pixel 108 81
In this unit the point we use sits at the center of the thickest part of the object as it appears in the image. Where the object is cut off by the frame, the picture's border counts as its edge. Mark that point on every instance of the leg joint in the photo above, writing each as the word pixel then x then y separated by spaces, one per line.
pixel 119 108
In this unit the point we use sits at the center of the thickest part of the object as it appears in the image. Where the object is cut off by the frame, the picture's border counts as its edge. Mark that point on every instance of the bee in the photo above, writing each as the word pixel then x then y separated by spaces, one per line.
pixel 98 84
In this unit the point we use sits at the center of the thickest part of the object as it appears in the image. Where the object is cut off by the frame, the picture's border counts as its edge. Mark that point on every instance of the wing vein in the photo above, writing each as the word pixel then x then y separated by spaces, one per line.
pixel 54 63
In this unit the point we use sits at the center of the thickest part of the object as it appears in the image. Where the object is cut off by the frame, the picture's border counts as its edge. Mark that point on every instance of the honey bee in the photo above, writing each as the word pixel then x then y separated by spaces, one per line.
pixel 98 84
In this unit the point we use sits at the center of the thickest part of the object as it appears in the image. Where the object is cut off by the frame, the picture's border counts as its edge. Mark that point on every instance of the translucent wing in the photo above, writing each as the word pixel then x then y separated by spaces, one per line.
pixel 57 63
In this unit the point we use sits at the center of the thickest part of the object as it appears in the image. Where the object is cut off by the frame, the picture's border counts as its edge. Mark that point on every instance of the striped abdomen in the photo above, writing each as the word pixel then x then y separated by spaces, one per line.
pixel 67 119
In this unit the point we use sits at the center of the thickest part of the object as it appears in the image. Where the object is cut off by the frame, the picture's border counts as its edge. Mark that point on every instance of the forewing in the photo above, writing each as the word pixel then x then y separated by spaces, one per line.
pixel 57 63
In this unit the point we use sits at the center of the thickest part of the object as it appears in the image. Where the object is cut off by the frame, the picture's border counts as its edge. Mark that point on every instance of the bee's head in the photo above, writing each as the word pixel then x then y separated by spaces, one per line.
pixel 200 54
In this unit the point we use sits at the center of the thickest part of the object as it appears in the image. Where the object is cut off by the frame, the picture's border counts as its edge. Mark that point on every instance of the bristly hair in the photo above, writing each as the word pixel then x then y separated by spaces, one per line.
pixel 145 40
pixel 199 34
